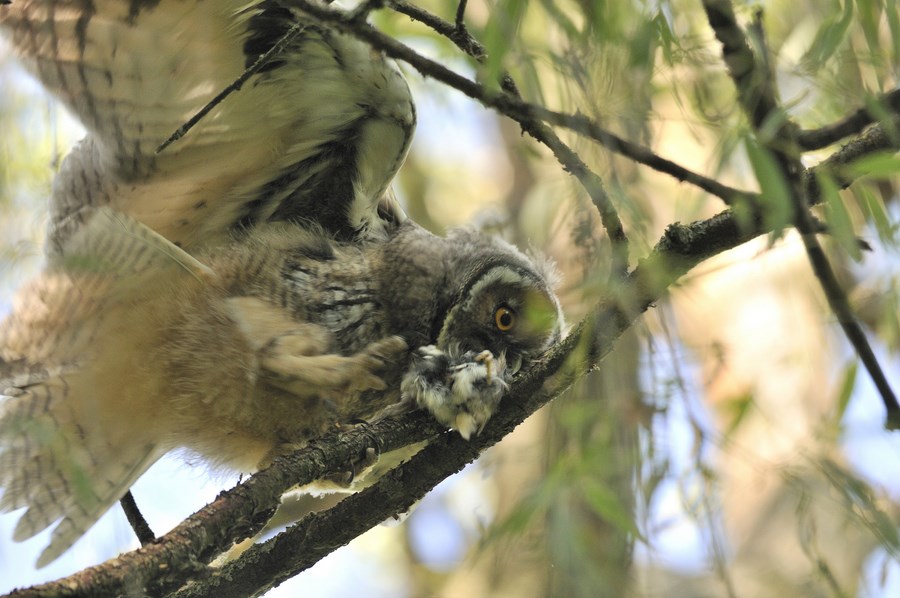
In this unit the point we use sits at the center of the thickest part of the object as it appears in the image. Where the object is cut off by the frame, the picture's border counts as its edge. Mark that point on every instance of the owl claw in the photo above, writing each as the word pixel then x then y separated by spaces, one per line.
pixel 360 373
pixel 487 358
pixel 359 469
pixel 331 375
pixel 461 392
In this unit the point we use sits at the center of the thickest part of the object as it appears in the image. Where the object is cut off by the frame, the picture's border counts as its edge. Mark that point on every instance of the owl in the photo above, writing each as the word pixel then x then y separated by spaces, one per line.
pixel 316 134
pixel 248 288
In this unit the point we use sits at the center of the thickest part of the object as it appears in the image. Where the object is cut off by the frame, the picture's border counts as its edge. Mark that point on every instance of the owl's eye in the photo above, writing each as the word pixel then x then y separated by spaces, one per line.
pixel 505 318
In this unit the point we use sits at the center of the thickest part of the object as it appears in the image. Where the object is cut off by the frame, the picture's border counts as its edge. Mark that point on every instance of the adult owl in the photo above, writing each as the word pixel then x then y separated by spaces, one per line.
pixel 249 287
pixel 316 134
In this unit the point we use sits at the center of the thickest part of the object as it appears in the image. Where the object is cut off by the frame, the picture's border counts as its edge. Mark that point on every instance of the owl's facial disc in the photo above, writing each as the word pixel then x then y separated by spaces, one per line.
pixel 508 309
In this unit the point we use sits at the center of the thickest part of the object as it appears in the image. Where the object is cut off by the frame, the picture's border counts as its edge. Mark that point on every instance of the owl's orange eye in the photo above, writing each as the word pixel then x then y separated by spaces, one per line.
pixel 505 318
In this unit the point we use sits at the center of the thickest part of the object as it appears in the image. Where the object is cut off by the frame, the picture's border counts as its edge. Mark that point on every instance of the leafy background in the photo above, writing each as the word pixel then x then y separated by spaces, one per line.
pixel 730 445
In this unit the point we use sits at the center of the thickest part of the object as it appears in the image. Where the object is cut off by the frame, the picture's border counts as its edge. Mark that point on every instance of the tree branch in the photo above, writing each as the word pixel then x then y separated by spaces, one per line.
pixel 641 154
pixel 850 125
pixel 757 95
pixel 136 519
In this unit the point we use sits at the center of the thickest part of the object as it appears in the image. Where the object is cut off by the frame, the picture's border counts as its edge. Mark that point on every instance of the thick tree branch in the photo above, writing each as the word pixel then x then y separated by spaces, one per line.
pixel 757 95
pixel 236 514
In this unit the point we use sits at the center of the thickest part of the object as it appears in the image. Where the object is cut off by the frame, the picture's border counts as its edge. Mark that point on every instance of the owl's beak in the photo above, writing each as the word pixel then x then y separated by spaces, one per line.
pixel 515 365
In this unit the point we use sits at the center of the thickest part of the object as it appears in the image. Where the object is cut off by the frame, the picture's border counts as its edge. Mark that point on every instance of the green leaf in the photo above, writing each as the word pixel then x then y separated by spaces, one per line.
pixel 667 40
pixel 840 225
pixel 876 213
pixel 860 503
pixel 893 19
pixel 736 410
pixel 880 166
pixel 829 38
pixel 888 324
pixel 869 18
pixel 605 503
pixel 560 18
pixel 775 194
pixel 846 390
pixel 502 27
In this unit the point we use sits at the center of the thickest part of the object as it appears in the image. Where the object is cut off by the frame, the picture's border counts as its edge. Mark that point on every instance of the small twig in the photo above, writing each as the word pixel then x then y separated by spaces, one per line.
pixel 264 59
pixel 850 125
pixel 457 32
pixel 757 95
pixel 641 154
pixel 461 15
pixel 136 519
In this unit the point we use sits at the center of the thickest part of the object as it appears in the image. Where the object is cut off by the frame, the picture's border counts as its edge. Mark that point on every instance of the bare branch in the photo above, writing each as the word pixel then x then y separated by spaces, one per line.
pixel 850 125
pixel 641 154
pixel 136 519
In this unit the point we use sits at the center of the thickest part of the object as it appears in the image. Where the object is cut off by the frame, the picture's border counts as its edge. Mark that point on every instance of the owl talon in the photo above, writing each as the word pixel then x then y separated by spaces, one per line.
pixel 487 358
pixel 329 375
pixel 359 469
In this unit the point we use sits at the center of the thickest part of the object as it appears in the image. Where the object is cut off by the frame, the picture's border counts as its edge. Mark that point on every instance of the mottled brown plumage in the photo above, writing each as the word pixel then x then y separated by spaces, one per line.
pixel 248 289
pixel 131 348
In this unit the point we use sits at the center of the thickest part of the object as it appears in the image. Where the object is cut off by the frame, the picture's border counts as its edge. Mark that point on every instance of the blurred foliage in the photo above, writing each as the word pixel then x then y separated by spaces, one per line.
pixel 709 456
pixel 652 72
pixel 27 151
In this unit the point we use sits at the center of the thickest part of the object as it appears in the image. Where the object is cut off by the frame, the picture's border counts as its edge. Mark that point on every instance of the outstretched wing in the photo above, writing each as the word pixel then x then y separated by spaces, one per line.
pixel 49 464
pixel 76 428
pixel 317 134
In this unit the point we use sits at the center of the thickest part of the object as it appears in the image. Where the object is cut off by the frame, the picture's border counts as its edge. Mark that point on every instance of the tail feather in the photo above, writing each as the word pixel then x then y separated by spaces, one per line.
pixel 62 467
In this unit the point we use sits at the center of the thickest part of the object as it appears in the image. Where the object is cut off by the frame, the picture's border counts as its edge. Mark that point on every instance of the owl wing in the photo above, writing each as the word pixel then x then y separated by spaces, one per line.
pixel 50 465
pixel 74 432
pixel 317 134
